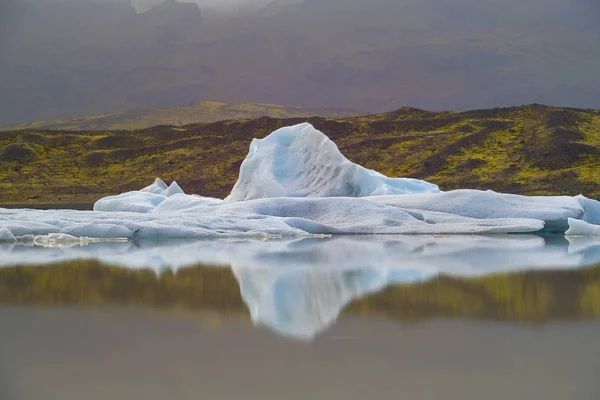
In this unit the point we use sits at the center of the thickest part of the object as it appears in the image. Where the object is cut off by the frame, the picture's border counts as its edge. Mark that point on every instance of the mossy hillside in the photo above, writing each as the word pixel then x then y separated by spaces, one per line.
pixel 533 150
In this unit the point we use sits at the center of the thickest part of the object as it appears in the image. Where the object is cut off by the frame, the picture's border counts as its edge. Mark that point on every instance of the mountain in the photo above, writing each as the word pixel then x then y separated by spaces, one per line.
pixel 71 58
pixel 203 111
pixel 533 150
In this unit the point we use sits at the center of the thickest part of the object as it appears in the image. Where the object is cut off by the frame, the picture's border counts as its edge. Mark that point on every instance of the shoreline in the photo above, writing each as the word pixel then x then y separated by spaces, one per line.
pixel 50 206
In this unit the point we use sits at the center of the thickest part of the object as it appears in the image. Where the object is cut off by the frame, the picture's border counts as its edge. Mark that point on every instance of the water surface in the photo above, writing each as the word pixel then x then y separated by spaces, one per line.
pixel 457 317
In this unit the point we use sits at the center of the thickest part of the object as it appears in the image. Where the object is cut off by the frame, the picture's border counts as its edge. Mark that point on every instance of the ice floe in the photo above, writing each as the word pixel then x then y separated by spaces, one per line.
pixel 295 182
pixel 137 201
pixel 582 228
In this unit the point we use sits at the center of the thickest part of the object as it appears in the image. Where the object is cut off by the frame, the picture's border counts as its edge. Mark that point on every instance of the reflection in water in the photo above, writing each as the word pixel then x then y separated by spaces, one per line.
pixel 298 288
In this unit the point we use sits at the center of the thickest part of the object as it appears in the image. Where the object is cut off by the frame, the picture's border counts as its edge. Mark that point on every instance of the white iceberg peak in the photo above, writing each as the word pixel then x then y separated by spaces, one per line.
pixel 300 161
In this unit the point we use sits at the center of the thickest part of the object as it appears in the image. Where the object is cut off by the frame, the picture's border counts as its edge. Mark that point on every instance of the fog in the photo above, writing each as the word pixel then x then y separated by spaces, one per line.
pixel 215 5
pixel 368 55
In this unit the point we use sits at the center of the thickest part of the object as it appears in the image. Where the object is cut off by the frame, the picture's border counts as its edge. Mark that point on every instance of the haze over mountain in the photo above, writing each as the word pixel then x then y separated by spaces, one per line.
pixel 202 111
pixel 65 58
pixel 227 6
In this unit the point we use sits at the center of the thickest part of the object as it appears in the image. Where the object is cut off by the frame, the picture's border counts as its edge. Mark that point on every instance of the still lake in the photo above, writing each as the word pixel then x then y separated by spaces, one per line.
pixel 347 317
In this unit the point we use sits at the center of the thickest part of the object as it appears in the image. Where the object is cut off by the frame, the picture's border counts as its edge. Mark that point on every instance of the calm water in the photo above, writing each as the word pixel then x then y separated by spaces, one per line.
pixel 418 317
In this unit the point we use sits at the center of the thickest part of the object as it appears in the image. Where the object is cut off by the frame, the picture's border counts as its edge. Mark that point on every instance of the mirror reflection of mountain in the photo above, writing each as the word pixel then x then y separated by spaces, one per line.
pixel 298 288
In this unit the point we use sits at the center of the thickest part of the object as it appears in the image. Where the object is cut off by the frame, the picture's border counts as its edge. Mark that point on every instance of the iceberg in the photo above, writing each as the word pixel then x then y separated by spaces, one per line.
pixel 296 182
pixel 300 161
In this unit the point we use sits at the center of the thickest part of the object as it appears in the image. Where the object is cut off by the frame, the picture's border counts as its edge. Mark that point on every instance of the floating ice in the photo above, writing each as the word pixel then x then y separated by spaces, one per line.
pixel 347 215
pixel 289 217
pixel 65 240
pixel 157 187
pixel 140 202
pixel 172 189
pixel 300 161
pixel 591 210
pixel 483 205
pixel 6 236
pixel 582 228
pixel 295 182
pixel 182 202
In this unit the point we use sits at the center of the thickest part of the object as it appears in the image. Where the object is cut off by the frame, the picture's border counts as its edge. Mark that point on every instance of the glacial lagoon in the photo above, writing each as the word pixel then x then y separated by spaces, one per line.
pixel 315 278
pixel 348 317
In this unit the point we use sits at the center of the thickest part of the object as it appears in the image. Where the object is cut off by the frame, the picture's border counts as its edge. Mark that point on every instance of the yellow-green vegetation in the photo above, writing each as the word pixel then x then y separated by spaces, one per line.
pixel 534 150
pixel 530 297
pixel 202 111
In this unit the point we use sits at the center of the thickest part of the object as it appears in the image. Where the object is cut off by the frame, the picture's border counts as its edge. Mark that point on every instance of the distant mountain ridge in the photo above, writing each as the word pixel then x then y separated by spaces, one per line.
pixel 65 58
pixel 201 112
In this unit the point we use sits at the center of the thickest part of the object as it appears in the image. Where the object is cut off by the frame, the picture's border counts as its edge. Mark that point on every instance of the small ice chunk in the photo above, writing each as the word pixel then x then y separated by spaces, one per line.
pixel 139 202
pixel 157 187
pixel 58 238
pixel 172 189
pixel 581 228
pixel 591 209
pixel 142 201
pixel 99 230
pixel 6 236
pixel 66 240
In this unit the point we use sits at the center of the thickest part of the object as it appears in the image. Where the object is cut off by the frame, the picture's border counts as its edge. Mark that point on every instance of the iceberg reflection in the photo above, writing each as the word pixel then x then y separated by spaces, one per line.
pixel 299 287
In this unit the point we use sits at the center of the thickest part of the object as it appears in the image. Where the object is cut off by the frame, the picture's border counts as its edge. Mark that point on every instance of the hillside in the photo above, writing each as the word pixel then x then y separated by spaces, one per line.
pixel 534 150
pixel 528 297
pixel 203 111
pixel 65 58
